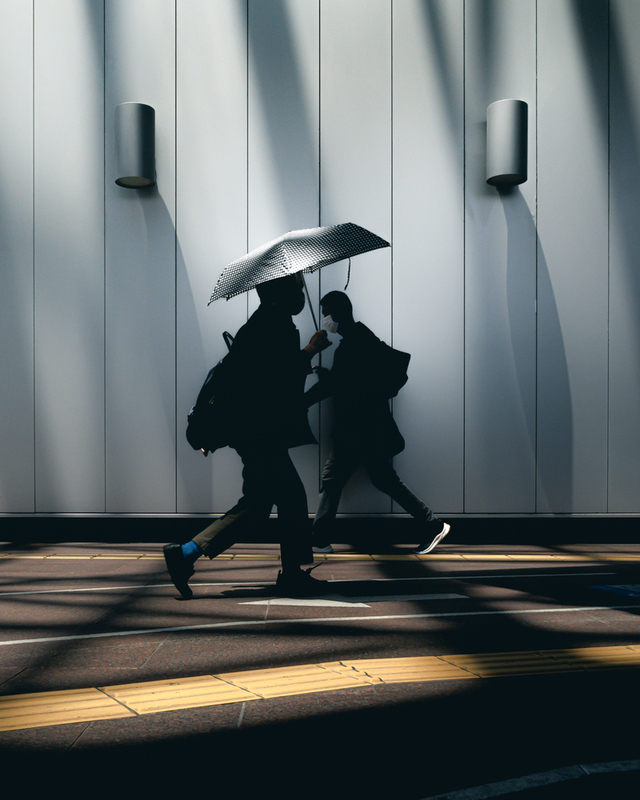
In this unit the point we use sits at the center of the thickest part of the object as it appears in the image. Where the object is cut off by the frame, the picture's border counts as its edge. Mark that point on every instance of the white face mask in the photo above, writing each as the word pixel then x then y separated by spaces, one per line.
pixel 329 325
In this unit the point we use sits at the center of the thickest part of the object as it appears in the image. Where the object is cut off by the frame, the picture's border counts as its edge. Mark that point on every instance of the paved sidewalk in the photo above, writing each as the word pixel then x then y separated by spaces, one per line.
pixel 419 676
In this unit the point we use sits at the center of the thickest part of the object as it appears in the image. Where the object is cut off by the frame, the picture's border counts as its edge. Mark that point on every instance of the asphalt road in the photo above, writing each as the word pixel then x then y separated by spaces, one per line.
pixel 476 671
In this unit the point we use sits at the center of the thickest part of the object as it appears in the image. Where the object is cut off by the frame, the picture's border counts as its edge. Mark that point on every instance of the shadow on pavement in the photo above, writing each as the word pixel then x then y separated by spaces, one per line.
pixel 404 742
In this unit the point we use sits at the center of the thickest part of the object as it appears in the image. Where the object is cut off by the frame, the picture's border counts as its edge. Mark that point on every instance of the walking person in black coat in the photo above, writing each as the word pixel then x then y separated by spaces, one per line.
pixel 365 431
pixel 268 416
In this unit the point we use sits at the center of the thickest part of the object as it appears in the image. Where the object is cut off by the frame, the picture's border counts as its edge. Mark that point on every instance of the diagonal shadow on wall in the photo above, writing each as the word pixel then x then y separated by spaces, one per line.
pixel 555 478
pixel 274 65
pixel 617 102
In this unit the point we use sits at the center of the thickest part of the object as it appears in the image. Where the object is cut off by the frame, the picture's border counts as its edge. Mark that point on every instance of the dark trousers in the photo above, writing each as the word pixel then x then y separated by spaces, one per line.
pixel 268 478
pixel 341 465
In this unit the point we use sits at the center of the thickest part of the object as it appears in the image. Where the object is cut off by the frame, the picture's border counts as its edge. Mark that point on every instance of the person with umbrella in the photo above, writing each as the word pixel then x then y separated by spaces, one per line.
pixel 365 431
pixel 266 394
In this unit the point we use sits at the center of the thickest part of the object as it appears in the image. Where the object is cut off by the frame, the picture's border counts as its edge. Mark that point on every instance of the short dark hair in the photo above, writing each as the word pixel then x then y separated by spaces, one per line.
pixel 339 302
pixel 275 289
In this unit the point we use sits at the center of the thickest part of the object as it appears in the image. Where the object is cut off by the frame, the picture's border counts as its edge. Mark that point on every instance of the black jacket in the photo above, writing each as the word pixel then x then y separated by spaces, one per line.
pixel 267 385
pixel 363 419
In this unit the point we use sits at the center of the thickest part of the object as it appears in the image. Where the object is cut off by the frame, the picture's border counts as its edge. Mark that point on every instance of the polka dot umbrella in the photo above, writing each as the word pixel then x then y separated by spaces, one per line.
pixel 297 251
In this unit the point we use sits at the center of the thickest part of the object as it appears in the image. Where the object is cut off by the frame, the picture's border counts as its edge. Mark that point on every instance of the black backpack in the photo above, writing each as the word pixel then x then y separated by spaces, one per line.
pixel 208 426
pixel 392 366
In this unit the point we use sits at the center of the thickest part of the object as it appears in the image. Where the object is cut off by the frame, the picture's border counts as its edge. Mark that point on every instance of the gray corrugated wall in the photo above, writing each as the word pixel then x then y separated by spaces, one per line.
pixel 520 309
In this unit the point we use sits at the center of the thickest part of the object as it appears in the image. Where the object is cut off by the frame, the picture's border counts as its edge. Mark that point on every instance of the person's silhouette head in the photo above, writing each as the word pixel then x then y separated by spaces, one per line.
pixel 338 306
pixel 285 294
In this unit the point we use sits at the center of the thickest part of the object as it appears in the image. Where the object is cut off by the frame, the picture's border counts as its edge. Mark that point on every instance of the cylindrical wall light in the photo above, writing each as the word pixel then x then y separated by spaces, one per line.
pixel 507 142
pixel 135 145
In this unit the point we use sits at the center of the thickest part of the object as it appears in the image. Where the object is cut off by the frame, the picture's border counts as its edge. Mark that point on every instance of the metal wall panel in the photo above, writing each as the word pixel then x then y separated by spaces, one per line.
pixel 211 222
pixel 356 171
pixel 283 187
pixel 428 246
pixel 572 255
pixel 140 235
pixel 500 323
pixel 16 255
pixel 292 113
pixel 624 315
pixel 69 256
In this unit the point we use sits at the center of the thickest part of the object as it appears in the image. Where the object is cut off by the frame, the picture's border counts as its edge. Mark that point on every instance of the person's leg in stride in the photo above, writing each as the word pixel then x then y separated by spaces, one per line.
pixel 269 478
pixel 250 511
pixel 385 478
pixel 294 529
pixel 338 468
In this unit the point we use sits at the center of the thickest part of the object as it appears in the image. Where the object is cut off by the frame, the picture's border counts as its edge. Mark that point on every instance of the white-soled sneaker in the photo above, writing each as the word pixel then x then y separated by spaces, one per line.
pixel 422 549
pixel 321 547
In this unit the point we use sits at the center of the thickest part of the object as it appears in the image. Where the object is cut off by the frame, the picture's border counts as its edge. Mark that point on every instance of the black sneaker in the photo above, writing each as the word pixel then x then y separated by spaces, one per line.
pixel 421 549
pixel 300 584
pixel 179 570
pixel 322 547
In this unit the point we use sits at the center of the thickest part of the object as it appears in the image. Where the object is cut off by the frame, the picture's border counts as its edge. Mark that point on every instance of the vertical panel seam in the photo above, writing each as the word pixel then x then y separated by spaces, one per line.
pixel 104 249
pixel 392 163
pixel 608 483
pixel 248 80
pixel 319 456
pixel 391 188
pixel 175 252
pixel 464 257
pixel 33 242
pixel 537 277
pixel 319 11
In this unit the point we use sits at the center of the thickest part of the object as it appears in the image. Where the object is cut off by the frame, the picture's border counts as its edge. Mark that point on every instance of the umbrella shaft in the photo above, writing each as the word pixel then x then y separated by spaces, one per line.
pixel 315 321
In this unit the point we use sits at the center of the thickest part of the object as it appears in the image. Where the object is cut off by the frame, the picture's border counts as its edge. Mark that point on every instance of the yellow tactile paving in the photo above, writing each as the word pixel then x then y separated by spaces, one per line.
pixel 289 681
pixel 614 558
pixel 590 658
pixel 346 557
pixel 395 557
pixel 439 557
pixel 113 556
pixel 349 669
pixel 274 556
pixel 489 665
pixel 20 555
pixel 67 557
pixel 493 665
pixel 42 709
pixel 409 670
pixel 154 696
pixel 251 556
pixel 482 557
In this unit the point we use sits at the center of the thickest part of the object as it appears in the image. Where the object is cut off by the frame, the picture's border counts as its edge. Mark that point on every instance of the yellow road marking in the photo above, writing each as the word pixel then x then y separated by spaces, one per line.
pixel 44 709
pixel 261 556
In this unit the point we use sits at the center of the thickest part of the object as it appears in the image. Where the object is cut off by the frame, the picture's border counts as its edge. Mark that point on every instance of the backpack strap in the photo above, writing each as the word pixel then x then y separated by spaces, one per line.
pixel 228 339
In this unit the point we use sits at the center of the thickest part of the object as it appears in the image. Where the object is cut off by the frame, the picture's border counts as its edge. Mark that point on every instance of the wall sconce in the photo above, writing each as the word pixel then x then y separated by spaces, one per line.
pixel 507 142
pixel 135 145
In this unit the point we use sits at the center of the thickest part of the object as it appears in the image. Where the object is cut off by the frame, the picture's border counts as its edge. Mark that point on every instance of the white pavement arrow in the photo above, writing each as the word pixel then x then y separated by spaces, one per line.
pixel 305 601
pixel 355 602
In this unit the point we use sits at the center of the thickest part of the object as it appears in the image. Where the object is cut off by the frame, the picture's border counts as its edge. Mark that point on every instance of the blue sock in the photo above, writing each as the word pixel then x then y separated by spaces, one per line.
pixel 191 552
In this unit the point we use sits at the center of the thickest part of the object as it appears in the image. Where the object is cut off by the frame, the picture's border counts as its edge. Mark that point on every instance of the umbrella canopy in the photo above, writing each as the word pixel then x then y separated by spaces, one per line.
pixel 296 251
